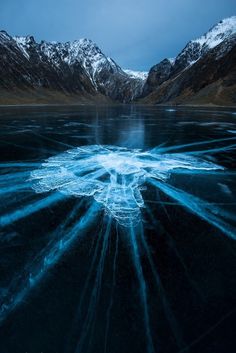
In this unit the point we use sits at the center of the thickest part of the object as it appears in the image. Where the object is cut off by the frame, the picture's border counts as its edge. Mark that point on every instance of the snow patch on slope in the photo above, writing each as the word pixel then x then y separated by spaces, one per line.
pixel 196 48
pixel 84 52
pixel 142 75
pixel 218 33
pixel 172 60
pixel 23 44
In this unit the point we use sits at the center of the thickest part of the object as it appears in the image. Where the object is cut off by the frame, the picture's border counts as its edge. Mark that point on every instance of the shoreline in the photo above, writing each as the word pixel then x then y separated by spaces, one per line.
pixel 102 104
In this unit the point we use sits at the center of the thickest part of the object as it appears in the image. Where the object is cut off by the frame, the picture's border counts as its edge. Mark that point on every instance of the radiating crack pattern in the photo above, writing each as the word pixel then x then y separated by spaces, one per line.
pixel 114 176
pixel 110 178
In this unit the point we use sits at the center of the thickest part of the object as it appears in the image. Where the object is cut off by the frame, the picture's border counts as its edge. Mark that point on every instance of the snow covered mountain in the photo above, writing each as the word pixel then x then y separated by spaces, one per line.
pixel 78 66
pixel 206 50
pixel 25 67
pixel 84 52
pixel 196 48
pixel 142 75
pixel 79 70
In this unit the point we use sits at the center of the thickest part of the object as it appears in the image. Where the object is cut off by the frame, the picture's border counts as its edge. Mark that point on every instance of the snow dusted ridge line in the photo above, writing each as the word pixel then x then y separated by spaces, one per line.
pixel 196 48
pixel 172 60
pixel 112 175
pixel 83 50
pixel 218 33
pixel 142 75
pixel 84 66
pixel 23 45
pixel 80 68
pixel 93 59
pixel 215 44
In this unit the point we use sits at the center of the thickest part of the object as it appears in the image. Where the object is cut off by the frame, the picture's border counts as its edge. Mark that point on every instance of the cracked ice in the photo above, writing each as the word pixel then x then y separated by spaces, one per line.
pixel 113 176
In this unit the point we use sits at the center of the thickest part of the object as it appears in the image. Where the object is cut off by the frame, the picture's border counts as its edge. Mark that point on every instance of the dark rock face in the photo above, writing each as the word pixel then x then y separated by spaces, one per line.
pixel 168 68
pixel 32 69
pixel 191 53
pixel 212 79
pixel 194 68
pixel 78 68
pixel 157 75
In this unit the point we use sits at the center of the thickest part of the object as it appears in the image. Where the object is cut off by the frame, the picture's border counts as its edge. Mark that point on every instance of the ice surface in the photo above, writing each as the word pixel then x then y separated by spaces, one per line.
pixel 112 175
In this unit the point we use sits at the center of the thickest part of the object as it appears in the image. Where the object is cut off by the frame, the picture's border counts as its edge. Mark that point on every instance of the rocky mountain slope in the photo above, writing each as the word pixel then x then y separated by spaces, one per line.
pixel 72 69
pixel 73 72
pixel 203 72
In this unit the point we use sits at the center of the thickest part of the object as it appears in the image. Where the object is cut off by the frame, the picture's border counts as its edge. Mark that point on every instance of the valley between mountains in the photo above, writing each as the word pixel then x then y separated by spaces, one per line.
pixel 203 73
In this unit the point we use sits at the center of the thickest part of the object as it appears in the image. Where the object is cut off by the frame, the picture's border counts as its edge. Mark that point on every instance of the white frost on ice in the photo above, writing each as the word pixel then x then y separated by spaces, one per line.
pixel 113 176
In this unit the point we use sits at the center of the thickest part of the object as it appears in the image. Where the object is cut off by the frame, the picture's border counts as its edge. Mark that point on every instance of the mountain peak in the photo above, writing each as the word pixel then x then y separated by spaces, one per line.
pixel 24 43
pixel 218 33
pixel 4 35
pixel 196 48
pixel 141 75
pixel 85 42
pixel 26 40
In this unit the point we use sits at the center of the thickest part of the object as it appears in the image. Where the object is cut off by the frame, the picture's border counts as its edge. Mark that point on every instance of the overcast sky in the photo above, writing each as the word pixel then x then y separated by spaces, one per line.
pixel 135 33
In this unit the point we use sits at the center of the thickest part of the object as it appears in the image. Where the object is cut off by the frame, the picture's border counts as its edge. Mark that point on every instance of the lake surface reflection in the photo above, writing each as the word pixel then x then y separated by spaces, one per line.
pixel 118 229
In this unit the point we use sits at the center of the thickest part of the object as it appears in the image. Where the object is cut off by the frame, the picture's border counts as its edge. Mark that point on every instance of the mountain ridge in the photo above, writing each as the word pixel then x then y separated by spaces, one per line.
pixel 168 76
pixel 79 70
pixel 73 67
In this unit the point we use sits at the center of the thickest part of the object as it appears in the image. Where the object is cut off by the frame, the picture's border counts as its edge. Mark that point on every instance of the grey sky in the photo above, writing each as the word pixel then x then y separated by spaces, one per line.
pixel 135 33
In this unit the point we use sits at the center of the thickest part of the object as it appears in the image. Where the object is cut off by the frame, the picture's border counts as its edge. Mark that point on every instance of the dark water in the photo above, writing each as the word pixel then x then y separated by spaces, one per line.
pixel 72 279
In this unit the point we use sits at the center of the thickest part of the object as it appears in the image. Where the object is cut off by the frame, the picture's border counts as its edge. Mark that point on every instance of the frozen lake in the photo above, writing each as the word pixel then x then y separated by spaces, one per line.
pixel 118 229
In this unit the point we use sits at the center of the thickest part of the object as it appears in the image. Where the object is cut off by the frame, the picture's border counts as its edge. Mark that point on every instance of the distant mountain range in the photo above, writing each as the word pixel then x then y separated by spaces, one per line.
pixel 49 72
